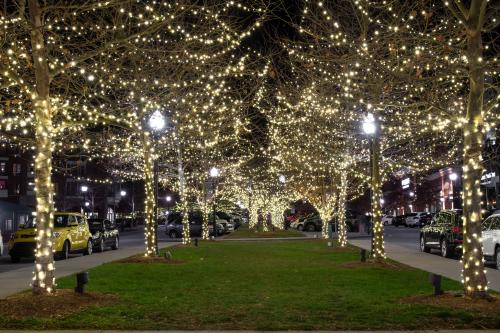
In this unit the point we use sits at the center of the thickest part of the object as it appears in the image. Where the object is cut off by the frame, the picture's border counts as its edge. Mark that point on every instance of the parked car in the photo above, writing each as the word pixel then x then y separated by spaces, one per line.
pixel 226 220
pixel 443 233
pixel 71 234
pixel 174 225
pixel 104 234
pixel 1 245
pixel 387 219
pixel 491 239
pixel 416 219
pixel 426 219
pixel 311 222
pixel 237 219
pixel 125 222
pixel 399 220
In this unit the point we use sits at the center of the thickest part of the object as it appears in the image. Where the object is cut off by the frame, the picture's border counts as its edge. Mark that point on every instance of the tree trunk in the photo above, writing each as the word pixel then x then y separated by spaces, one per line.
pixel 325 212
pixel 342 232
pixel 378 250
pixel 474 276
pixel 186 238
pixel 43 279
pixel 205 227
pixel 149 203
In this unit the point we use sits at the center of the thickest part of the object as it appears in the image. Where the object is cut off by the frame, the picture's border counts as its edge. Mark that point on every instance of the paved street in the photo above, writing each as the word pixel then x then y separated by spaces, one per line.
pixel 16 277
pixel 401 244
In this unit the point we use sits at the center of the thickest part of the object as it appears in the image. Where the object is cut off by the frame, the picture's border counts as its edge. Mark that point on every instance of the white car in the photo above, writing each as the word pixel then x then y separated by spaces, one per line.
pixel 491 239
pixel 387 219
pixel 413 219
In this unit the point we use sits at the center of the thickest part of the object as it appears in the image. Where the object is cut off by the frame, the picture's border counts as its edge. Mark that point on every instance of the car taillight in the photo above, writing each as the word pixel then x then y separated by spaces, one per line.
pixel 456 230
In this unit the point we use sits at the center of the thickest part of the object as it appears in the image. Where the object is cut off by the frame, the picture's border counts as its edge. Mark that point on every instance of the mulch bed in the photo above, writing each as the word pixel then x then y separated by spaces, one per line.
pixel 141 259
pixel 61 304
pixel 387 264
pixel 457 301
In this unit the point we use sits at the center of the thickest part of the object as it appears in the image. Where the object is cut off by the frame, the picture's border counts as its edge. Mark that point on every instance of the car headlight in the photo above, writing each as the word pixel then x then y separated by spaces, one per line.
pixel 56 234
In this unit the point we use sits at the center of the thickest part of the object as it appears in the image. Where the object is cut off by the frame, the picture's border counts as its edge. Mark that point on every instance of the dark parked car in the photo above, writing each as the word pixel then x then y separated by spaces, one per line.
pixel 174 226
pixel 125 222
pixel 443 233
pixel 311 222
pixel 104 234
pixel 399 220
pixel 426 219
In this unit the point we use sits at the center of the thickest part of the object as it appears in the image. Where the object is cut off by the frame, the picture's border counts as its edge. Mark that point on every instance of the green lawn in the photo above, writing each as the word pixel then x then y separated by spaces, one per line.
pixel 244 232
pixel 287 285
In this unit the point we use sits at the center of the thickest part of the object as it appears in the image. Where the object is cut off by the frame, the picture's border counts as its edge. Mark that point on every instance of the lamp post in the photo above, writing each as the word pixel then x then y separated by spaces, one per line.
pixel 156 123
pixel 453 177
pixel 214 174
pixel 282 180
pixel 84 189
pixel 370 129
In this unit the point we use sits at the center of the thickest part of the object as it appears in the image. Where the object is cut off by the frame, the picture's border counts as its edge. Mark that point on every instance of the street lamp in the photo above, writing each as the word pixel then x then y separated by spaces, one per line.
pixel 453 177
pixel 214 173
pixel 123 193
pixel 168 198
pixel 282 179
pixel 156 123
pixel 84 189
pixel 369 126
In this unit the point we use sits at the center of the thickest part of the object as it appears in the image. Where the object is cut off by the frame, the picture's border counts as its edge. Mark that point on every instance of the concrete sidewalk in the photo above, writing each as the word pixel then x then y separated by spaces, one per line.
pixel 433 263
pixel 116 331
pixel 15 281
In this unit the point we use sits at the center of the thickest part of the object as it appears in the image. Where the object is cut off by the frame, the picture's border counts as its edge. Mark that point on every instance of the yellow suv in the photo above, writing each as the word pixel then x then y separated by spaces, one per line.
pixel 71 235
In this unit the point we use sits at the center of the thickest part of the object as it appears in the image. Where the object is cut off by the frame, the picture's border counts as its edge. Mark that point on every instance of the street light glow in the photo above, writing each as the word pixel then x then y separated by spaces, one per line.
pixel 282 179
pixel 84 188
pixel 168 198
pixel 214 172
pixel 157 121
pixel 369 124
pixel 87 204
pixel 123 193
pixel 453 176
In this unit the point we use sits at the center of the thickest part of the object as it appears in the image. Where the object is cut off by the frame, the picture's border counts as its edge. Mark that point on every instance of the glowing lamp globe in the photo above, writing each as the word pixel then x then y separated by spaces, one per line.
pixel 157 121
pixel 214 172
pixel 369 124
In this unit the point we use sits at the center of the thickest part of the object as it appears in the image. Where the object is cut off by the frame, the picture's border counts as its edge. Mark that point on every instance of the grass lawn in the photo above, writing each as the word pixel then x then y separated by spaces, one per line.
pixel 244 232
pixel 287 285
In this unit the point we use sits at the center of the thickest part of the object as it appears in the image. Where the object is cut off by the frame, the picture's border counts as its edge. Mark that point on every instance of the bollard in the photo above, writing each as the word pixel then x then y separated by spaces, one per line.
pixel 196 242
pixel 330 244
pixel 82 279
pixel 363 255
pixel 435 280
pixel 167 255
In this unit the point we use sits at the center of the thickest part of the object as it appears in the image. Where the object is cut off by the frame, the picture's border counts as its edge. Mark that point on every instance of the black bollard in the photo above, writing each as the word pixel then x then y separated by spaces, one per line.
pixel 196 242
pixel 435 280
pixel 363 255
pixel 82 279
